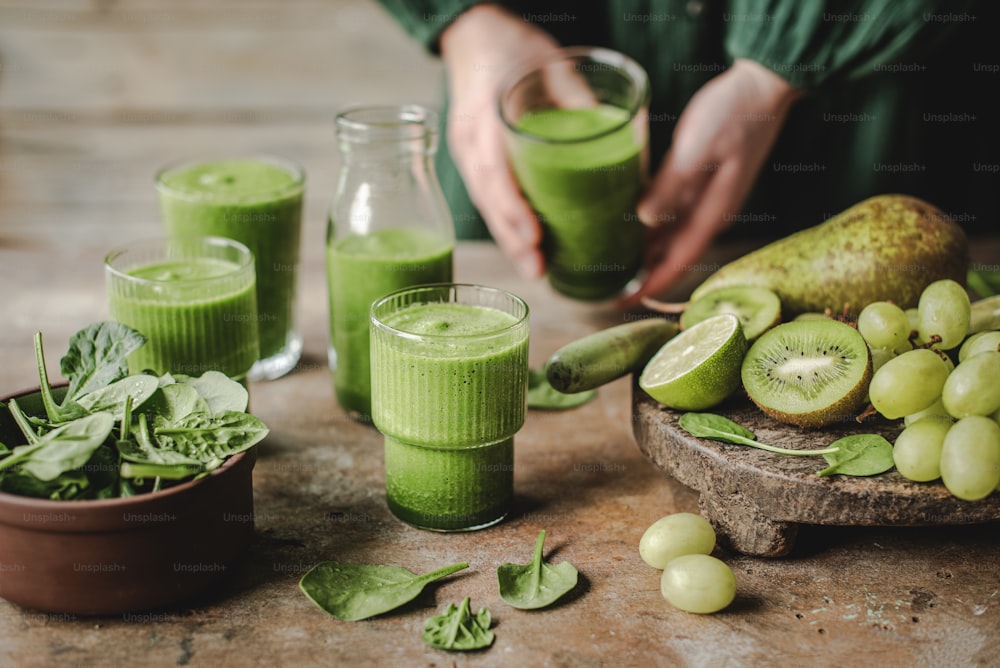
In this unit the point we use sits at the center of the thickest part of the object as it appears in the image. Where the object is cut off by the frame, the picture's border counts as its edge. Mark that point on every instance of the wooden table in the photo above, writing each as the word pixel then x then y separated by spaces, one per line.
pixel 93 100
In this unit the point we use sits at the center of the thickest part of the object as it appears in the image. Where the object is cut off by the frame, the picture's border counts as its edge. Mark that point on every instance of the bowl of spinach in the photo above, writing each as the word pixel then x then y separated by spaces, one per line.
pixel 120 492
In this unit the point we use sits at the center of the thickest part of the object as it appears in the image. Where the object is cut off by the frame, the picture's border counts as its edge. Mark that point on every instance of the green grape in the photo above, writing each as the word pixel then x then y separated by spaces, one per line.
pixel 973 388
pixel 885 325
pixel 676 535
pixel 970 458
pixel 880 356
pixel 698 583
pixel 917 450
pixel 908 383
pixel 979 342
pixel 944 310
pixel 935 410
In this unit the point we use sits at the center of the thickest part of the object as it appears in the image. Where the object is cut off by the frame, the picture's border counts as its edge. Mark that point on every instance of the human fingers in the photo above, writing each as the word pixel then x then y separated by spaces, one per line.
pixel 685 244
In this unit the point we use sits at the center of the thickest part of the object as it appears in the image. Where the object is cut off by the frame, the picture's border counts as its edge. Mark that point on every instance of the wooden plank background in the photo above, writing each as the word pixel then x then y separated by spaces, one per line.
pixel 97 95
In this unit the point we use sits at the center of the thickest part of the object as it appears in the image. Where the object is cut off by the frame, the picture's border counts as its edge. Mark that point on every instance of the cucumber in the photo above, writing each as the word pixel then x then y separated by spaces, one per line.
pixel 606 355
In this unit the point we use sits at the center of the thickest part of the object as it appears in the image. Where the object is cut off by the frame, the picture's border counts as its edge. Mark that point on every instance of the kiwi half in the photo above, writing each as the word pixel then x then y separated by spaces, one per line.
pixel 808 373
pixel 758 308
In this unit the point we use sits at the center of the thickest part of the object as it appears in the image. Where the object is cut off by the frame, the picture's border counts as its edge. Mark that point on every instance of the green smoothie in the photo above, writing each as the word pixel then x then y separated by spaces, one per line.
pixel 360 269
pixel 448 392
pixel 581 170
pixel 258 202
pixel 195 319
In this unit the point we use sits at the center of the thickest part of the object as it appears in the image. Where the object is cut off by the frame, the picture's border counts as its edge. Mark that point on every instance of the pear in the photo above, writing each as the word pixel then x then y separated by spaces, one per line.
pixel 885 248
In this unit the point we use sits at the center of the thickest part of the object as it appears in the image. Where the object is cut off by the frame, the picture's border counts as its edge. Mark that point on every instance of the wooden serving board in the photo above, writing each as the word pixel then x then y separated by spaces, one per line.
pixel 757 500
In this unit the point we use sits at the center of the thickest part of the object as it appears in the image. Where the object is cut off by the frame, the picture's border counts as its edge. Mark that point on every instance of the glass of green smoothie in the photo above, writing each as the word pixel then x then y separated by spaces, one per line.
pixel 449 385
pixel 195 300
pixel 256 200
pixel 576 127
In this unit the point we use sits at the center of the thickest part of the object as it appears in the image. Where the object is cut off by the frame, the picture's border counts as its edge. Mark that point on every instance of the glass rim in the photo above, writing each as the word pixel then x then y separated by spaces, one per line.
pixel 388 122
pixel 599 54
pixel 293 168
pixel 448 287
pixel 246 259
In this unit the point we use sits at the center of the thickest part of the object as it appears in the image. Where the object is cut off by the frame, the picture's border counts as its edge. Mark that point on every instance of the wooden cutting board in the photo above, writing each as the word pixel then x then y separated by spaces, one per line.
pixel 757 500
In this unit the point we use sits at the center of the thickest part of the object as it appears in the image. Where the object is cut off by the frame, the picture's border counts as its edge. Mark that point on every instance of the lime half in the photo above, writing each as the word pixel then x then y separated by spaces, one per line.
pixel 699 367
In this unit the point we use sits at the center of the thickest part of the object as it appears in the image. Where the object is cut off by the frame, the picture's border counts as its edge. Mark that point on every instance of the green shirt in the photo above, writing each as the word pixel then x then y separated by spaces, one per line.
pixel 895 94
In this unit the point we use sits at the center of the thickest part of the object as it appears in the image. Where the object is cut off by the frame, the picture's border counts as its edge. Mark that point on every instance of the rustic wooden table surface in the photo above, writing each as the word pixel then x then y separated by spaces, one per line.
pixel 95 96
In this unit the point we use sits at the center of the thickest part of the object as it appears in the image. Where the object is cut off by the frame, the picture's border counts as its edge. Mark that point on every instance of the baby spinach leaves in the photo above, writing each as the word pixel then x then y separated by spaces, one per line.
pixel 352 592
pixel 855 455
pixel 458 629
pixel 716 427
pixel 98 356
pixel 543 396
pixel 536 584
pixel 170 428
pixel 859 455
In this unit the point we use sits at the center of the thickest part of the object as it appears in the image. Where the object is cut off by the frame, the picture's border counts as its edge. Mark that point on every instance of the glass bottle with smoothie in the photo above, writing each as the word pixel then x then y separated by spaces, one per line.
pixel 579 152
pixel 193 298
pixel 256 200
pixel 449 386
pixel 389 228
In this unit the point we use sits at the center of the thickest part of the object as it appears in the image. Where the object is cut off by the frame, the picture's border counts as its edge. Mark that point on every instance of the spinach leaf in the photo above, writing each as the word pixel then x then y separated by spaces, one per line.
pixel 718 428
pixel 112 398
pixel 352 592
pixel 458 629
pixel 56 412
pixel 221 392
pixel 63 449
pixel 543 396
pixel 173 402
pixel 98 356
pixel 205 437
pixel 537 584
pixel 859 455
pixel 64 487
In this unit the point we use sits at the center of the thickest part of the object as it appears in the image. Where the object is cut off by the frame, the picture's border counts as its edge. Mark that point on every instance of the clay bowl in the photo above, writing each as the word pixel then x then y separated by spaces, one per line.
pixel 113 556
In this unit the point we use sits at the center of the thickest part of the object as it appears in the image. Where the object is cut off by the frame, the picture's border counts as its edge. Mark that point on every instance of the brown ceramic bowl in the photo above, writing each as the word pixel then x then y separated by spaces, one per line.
pixel 112 556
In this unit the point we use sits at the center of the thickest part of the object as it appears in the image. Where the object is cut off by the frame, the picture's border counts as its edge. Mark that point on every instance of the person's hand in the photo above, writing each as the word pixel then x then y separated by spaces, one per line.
pixel 720 143
pixel 478 49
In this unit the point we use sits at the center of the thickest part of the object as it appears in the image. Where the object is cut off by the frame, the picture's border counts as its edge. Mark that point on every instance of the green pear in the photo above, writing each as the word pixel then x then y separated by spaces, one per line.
pixel 885 248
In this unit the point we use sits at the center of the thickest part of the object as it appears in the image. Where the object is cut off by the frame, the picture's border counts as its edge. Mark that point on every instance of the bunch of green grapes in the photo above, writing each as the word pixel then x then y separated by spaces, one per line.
pixel 951 412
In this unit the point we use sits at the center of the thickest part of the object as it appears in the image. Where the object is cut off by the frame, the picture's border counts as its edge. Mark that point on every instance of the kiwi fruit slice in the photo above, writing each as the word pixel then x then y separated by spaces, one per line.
pixel 808 373
pixel 758 308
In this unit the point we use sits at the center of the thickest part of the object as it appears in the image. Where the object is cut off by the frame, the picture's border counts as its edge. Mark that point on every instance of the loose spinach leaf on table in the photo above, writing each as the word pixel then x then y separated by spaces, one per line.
pixel 543 396
pixel 352 592
pixel 859 455
pixel 458 629
pixel 537 584
pixel 718 428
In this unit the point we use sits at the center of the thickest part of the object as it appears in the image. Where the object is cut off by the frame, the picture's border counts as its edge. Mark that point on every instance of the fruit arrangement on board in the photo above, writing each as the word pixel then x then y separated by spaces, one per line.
pixel 866 316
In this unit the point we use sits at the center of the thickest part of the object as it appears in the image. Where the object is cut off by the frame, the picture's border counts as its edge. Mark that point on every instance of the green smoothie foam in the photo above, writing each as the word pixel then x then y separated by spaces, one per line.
pixel 187 331
pixel 360 269
pixel 449 406
pixel 256 202
pixel 582 174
